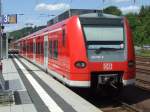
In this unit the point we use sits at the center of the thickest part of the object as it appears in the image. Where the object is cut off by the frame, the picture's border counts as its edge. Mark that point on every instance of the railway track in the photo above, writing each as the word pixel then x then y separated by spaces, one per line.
pixel 129 108
pixel 142 70
pixel 145 85
pixel 120 104
pixel 144 59
pixel 109 104
pixel 143 65
pixel 143 81
pixel 123 107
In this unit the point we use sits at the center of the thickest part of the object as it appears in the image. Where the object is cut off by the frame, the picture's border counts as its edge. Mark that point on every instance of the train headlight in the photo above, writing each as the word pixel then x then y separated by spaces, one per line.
pixel 131 63
pixel 80 64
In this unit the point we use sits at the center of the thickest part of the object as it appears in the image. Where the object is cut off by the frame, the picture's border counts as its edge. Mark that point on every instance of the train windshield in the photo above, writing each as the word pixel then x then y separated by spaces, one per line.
pixel 99 33
pixel 100 37
pixel 105 43
pixel 105 38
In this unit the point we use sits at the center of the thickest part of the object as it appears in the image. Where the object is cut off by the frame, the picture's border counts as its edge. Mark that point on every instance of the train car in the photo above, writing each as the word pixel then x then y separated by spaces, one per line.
pixel 87 50
pixel 29 48
pixel 13 48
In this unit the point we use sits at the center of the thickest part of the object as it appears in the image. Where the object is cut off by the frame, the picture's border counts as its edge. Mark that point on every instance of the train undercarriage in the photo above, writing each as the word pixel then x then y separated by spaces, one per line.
pixel 106 83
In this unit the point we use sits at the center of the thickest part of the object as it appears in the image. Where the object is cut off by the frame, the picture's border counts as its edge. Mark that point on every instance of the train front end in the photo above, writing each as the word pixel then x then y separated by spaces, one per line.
pixel 110 51
pixel 110 58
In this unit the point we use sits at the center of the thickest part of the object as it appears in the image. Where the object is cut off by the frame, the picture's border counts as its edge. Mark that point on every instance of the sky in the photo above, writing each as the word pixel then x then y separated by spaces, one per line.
pixel 38 12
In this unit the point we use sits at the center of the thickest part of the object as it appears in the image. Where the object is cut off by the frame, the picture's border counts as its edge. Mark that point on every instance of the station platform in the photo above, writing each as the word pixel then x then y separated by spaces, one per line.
pixel 36 91
pixel 23 102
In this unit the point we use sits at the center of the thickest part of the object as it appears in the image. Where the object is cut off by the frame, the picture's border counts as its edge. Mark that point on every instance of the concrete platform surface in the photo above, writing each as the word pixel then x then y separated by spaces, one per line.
pixel 13 82
pixel 36 91
pixel 18 108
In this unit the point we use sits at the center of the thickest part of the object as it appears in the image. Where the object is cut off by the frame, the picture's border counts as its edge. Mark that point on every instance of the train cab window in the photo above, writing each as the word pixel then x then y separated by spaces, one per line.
pixel 102 40
pixel 50 49
pixel 106 33
pixel 104 37
pixel 55 54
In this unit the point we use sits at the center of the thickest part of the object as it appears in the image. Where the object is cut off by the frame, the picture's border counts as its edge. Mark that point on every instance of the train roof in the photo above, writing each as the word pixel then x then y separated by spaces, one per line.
pixel 90 13
pixel 82 13
pixel 99 15
pixel 69 13
pixel 34 34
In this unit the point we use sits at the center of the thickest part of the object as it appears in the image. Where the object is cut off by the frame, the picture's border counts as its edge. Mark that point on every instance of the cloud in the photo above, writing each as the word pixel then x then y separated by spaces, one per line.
pixel 118 1
pixel 131 8
pixel 51 7
pixel 10 28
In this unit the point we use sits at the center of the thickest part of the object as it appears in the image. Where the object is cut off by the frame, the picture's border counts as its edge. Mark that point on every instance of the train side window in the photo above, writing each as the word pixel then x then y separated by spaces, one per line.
pixel 42 48
pixel 27 48
pixel 55 49
pixel 34 47
pixel 50 49
pixel 63 37
pixel 38 48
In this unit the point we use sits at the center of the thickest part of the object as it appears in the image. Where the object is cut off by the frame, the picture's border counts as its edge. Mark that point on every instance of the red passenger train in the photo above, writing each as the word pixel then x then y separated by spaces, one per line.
pixel 84 49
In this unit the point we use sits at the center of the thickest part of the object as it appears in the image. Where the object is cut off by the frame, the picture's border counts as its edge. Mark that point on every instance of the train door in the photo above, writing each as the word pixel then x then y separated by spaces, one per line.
pixel 34 49
pixel 46 51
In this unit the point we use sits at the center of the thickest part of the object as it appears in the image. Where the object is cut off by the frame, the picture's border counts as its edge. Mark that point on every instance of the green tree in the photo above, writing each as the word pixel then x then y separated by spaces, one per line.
pixel 113 10
pixel 144 16
pixel 24 32
pixel 135 24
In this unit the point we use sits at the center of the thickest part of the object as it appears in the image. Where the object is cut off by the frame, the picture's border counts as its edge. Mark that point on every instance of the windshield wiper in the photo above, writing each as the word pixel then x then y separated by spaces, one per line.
pixel 106 49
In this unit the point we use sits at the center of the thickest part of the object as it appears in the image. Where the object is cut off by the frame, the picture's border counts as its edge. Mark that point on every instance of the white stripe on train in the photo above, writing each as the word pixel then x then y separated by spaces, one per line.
pixel 82 84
